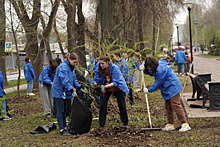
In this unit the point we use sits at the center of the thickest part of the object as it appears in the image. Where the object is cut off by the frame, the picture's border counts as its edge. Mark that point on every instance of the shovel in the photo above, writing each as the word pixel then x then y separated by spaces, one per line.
pixel 148 111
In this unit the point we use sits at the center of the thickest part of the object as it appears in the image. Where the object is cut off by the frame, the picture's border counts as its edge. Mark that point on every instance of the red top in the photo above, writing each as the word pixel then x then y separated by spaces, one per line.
pixel 108 80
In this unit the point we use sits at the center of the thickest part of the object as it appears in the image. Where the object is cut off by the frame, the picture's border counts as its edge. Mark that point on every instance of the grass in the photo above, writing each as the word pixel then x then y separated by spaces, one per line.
pixel 205 131
pixel 14 83
pixel 207 56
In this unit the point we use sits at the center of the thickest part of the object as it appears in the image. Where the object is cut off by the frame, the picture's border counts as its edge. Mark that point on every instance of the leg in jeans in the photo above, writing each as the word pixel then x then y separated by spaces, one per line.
pixel 182 67
pixel 169 112
pixel 97 98
pixel 61 112
pixel 3 106
pixel 177 107
pixel 28 86
pixel 103 108
pixel 31 86
pixel 179 65
pixel 122 106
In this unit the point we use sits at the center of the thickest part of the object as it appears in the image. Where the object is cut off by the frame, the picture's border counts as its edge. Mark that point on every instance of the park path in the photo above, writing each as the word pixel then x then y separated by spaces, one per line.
pixel 207 65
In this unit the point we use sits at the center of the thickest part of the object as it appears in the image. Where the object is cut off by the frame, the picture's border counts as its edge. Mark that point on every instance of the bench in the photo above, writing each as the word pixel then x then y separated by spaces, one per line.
pixel 198 83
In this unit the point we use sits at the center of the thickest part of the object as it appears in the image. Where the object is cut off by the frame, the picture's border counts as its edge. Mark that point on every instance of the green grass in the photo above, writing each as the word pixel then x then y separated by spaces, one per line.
pixel 206 55
pixel 14 83
pixel 27 116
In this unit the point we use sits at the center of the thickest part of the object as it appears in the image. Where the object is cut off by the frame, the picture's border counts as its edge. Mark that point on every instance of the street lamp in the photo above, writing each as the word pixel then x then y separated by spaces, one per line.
pixel 189 6
pixel 178 43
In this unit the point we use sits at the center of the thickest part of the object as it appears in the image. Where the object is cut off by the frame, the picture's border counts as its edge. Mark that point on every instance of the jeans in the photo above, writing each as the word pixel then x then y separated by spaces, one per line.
pixel 121 104
pixel 61 112
pixel 181 66
pixel 4 107
pixel 29 86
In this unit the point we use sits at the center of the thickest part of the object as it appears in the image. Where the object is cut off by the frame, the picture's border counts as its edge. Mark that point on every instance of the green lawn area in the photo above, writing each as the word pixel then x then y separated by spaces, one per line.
pixel 29 115
pixel 14 83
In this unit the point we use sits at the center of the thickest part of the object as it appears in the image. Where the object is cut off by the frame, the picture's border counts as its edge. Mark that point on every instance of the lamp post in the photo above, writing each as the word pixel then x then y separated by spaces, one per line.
pixel 189 6
pixel 195 21
pixel 178 43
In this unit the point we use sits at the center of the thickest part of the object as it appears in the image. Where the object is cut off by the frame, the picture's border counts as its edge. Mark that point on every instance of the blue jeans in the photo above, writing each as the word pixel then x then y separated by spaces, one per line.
pixel 29 86
pixel 181 66
pixel 61 112
pixel 4 107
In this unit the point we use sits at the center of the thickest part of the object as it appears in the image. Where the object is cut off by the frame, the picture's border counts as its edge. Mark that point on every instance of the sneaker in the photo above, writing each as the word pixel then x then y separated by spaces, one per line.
pixel 169 127
pixel 31 94
pixel 7 118
pixel 64 132
pixel 185 127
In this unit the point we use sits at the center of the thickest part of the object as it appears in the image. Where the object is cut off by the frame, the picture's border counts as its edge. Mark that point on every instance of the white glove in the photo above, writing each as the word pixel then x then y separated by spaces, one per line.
pixel 145 90
pixel 103 87
pixel 141 67
pixel 74 94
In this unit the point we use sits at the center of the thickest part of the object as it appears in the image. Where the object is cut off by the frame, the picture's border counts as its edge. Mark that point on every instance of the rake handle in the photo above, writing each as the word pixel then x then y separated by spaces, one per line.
pixel 148 110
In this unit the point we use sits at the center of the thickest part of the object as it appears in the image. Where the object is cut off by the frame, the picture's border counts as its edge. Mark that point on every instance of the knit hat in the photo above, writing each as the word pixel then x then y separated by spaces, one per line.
pixel 27 59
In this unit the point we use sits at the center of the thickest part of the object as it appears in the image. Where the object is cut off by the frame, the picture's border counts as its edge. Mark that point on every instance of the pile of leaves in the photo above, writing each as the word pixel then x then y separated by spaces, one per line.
pixel 97 90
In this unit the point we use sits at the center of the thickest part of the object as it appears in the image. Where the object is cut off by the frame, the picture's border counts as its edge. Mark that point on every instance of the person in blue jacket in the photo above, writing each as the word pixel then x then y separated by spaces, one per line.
pixel 64 82
pixel 127 74
pixel 170 87
pixel 165 61
pixel 3 99
pixel 91 68
pixel 136 62
pixel 112 81
pixel 180 58
pixel 45 83
pixel 29 75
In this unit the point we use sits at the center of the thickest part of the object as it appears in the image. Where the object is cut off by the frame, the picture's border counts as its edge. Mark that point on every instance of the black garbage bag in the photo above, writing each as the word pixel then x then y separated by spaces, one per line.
pixel 44 129
pixel 80 118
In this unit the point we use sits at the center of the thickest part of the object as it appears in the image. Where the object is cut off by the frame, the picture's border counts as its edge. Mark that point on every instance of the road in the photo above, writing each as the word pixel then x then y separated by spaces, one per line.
pixel 207 65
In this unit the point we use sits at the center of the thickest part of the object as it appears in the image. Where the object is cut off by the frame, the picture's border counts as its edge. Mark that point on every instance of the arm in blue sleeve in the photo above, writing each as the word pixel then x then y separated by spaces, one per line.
pixel 159 80
pixel 75 82
pixel 32 71
pixel 1 81
pixel 46 78
pixel 65 80
pixel 97 78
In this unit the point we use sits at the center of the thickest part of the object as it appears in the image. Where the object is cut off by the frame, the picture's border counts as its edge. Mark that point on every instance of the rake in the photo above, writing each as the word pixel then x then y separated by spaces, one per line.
pixel 148 111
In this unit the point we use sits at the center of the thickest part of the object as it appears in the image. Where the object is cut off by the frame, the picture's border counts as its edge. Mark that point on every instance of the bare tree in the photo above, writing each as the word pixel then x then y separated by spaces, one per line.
pixel 2 41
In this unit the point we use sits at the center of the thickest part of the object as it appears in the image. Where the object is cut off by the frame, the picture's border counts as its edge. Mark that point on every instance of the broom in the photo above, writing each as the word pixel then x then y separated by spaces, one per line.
pixel 148 111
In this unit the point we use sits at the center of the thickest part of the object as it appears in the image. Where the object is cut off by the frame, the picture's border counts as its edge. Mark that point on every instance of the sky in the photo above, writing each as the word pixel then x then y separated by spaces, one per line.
pixel 180 18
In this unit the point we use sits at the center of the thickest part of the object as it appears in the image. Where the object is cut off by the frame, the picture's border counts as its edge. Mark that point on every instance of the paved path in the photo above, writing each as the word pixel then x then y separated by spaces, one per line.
pixel 203 65
pixel 207 65
pixel 13 89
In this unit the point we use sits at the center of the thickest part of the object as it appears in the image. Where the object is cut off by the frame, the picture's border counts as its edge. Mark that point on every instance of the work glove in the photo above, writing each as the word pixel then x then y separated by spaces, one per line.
pixel 74 94
pixel 81 91
pixel 103 87
pixel 141 67
pixel 145 90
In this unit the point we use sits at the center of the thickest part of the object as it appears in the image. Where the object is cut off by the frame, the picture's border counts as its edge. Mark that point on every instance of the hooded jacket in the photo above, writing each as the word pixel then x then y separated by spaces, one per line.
pixel 46 76
pixel 125 70
pixel 166 80
pixel 29 72
pixel 1 85
pixel 116 76
pixel 64 81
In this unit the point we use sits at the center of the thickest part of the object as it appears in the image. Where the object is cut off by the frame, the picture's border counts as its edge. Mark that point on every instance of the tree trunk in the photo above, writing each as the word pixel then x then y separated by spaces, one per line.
pixel 58 37
pixel 2 41
pixel 81 52
pixel 140 31
pixel 70 8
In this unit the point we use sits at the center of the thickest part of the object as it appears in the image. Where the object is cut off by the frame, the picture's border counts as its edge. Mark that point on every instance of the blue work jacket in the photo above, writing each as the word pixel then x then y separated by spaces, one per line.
pixel 116 76
pixel 134 63
pixel 46 76
pixel 180 57
pixel 91 64
pixel 64 81
pixel 29 72
pixel 163 61
pixel 167 81
pixel 125 70
pixel 1 85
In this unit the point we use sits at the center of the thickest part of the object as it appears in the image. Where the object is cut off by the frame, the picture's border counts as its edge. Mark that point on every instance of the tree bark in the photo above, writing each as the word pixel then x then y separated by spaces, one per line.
pixel 81 52
pixel 140 31
pixel 2 41
pixel 58 37
pixel 70 9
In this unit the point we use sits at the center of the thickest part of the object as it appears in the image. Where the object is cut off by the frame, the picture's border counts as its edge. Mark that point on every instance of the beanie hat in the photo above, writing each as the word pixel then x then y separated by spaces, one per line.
pixel 27 59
